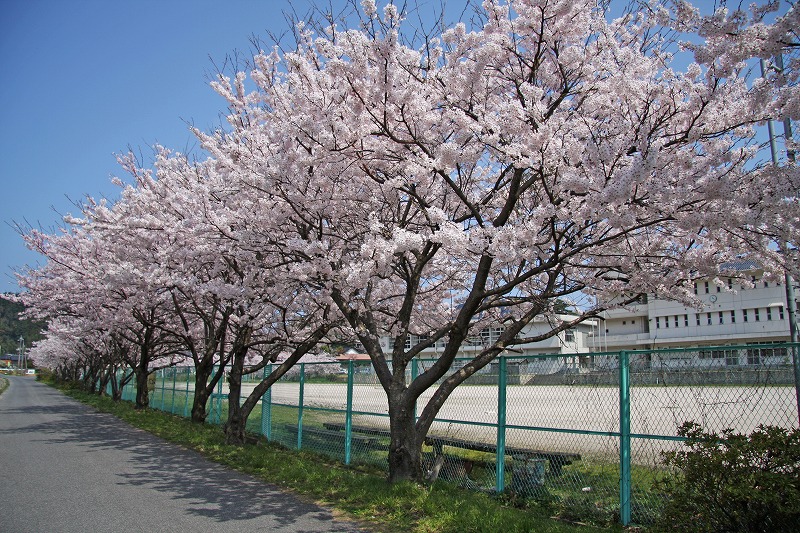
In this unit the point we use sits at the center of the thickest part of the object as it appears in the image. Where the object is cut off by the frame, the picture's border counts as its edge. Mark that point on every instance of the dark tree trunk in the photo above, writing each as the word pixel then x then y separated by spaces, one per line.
pixel 199 412
pixel 405 457
pixel 90 379
pixel 105 378
pixel 142 392
pixel 118 384
pixel 235 430
pixel 201 392
pixel 142 372
pixel 205 380
pixel 116 390
pixel 238 415
pixel 237 419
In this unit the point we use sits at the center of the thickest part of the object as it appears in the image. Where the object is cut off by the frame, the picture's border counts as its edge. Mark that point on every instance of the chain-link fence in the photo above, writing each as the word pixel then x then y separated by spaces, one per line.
pixel 587 431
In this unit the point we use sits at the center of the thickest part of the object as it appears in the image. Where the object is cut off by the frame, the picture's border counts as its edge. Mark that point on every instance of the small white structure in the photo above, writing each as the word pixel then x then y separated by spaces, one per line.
pixel 572 343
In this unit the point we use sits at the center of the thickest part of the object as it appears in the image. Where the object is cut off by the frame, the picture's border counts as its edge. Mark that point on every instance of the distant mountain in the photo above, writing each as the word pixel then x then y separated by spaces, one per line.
pixel 12 327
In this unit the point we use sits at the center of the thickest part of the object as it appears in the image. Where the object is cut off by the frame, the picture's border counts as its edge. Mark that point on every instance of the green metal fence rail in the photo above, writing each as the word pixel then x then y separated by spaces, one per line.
pixel 587 430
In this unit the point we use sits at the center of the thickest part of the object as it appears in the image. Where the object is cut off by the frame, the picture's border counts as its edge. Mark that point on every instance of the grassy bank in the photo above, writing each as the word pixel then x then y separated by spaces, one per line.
pixel 3 384
pixel 359 493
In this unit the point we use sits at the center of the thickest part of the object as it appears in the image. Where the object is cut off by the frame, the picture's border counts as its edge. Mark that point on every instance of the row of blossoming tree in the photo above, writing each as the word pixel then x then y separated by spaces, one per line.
pixel 368 185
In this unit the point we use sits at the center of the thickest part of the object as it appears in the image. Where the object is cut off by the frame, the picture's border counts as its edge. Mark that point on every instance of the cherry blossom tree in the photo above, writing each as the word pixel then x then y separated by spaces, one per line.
pixel 84 281
pixel 191 235
pixel 75 351
pixel 479 177
pixel 380 188
pixel 166 224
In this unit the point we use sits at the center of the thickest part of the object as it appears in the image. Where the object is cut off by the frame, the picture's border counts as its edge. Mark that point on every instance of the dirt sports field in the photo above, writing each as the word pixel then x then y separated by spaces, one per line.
pixel 553 417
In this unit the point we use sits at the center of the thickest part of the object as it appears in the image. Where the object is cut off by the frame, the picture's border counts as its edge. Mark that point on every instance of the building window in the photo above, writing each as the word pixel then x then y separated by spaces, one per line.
pixel 706 287
pixel 755 313
pixel 733 317
pixel 744 314
pixel 713 354
pixel 490 335
pixel 730 283
pixel 624 322
pixel 695 287
pixel 658 322
pixel 697 316
pixel 633 322
pixel 719 289
pixel 666 321
pixel 721 319
pixel 686 320
pixel 766 284
pixel 569 335
pixel 708 318
pixel 780 312
pixel 769 313
pixel 676 321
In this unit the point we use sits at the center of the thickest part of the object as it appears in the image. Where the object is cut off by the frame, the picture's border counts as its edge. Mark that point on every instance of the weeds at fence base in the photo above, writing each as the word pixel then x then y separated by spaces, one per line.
pixel 583 509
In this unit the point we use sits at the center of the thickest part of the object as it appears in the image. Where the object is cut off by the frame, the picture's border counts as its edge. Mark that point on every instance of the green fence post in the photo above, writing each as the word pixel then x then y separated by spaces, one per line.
pixel 212 400
pixel 266 407
pixel 174 384
pixel 186 400
pixel 500 462
pixel 153 397
pixel 414 374
pixel 300 407
pixel 624 439
pixel 348 416
pixel 163 389
pixel 217 419
pixel 219 399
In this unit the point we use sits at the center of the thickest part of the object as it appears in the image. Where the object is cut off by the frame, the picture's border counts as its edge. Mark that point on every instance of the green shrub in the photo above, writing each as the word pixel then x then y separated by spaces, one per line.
pixel 733 482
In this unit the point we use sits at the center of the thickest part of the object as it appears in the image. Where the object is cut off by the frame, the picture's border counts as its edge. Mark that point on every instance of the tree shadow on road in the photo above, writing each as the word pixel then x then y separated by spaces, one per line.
pixel 204 488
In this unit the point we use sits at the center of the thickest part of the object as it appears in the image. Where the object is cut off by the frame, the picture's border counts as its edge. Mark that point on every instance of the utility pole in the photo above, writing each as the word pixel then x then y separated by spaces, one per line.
pixel 791 306
pixel 20 352
pixel 790 299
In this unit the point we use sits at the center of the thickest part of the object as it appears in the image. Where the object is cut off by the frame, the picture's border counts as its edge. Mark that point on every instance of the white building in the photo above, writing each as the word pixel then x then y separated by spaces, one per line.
pixel 731 314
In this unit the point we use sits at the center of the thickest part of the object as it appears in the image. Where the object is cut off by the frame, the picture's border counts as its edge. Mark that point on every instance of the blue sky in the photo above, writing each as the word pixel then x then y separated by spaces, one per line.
pixel 83 80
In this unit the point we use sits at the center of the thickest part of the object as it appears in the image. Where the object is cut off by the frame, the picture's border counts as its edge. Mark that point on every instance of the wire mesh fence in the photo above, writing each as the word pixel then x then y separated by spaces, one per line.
pixel 586 430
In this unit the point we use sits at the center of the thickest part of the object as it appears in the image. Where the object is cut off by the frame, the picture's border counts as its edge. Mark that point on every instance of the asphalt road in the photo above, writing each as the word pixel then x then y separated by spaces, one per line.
pixel 66 468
